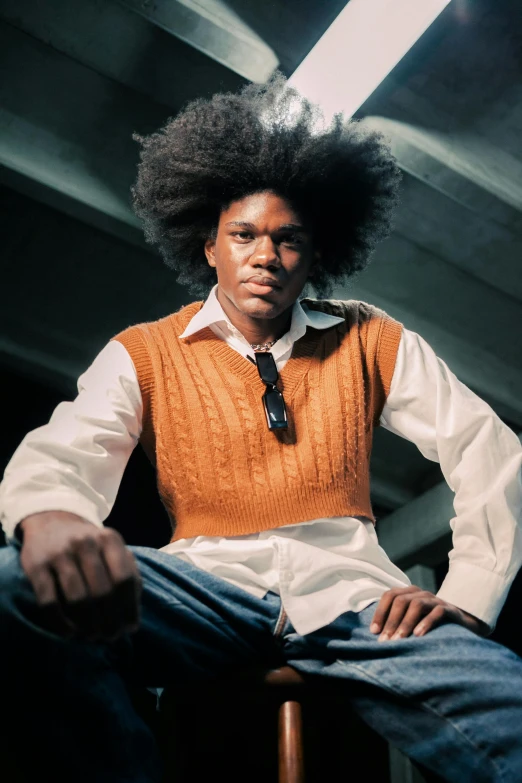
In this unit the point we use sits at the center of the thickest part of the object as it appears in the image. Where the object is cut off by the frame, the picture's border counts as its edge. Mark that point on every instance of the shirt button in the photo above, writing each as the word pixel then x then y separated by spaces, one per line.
pixel 288 576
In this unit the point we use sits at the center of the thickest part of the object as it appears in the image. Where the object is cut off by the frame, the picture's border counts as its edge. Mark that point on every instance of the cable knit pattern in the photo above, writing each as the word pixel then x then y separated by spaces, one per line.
pixel 218 435
pixel 220 470
pixel 170 451
pixel 255 466
pixel 317 422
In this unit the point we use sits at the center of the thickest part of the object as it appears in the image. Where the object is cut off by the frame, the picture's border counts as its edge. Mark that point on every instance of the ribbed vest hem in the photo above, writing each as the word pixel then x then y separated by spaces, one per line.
pixel 268 514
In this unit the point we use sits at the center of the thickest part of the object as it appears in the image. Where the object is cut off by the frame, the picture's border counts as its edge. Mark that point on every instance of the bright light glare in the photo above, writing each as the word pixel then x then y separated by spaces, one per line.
pixel 359 49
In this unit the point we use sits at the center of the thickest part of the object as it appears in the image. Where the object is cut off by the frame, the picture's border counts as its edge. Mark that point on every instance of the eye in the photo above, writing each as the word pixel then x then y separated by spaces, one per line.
pixel 242 234
pixel 292 239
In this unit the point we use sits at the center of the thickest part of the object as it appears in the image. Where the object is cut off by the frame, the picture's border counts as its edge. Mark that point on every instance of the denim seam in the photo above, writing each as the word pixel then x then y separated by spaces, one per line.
pixel 281 621
pixel 427 708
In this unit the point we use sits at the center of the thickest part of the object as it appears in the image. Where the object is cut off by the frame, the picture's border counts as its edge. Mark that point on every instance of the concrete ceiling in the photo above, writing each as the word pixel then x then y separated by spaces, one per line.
pixel 79 77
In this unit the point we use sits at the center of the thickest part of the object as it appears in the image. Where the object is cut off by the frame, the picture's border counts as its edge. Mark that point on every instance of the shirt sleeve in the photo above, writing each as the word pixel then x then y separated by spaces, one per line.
pixel 76 461
pixel 480 458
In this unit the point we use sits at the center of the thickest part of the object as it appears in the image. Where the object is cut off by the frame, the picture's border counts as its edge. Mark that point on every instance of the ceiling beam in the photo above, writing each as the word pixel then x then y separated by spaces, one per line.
pixel 81 160
pixel 142 56
pixel 43 184
pixel 213 28
pixel 465 167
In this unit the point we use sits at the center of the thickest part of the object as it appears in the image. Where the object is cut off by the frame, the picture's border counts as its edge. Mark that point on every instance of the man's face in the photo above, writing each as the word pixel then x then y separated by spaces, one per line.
pixel 263 255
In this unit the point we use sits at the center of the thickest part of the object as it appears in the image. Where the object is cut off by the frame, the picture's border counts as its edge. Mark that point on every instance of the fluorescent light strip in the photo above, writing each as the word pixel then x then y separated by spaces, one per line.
pixel 359 50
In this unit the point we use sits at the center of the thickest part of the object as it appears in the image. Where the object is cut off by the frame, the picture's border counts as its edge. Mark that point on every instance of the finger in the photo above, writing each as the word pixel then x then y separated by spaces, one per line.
pixel 49 612
pixel 396 614
pixel 437 616
pixel 100 586
pixel 106 617
pixel 119 560
pixel 115 603
pixel 417 609
pixel 70 582
pixel 124 602
pixel 43 584
pixel 381 613
pixel 74 597
pixel 93 567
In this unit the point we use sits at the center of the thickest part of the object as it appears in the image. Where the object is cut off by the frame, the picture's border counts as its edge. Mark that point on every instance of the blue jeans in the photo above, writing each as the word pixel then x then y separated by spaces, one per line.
pixel 450 700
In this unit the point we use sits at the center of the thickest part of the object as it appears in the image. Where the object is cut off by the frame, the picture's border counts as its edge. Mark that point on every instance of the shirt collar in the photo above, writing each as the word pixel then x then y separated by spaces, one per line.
pixel 213 313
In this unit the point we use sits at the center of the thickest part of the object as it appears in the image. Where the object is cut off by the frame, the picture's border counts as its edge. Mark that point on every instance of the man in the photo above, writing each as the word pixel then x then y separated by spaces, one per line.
pixel 257 409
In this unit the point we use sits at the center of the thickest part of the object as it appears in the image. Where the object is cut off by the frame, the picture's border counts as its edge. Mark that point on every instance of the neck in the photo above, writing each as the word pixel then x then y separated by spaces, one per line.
pixel 256 330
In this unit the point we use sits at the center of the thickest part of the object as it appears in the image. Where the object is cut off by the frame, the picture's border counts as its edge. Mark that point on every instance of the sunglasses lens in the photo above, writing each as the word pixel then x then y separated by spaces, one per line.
pixel 267 367
pixel 273 401
pixel 275 409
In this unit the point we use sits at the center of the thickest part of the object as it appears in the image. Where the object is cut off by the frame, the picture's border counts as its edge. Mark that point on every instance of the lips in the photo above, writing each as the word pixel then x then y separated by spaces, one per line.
pixel 262 280
pixel 266 288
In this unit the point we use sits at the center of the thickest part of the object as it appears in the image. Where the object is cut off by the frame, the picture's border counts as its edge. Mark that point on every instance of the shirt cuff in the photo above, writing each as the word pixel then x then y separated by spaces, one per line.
pixel 57 501
pixel 480 592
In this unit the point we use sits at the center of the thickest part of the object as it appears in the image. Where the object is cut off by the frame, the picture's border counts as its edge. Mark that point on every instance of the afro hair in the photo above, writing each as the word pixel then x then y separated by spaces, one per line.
pixel 341 178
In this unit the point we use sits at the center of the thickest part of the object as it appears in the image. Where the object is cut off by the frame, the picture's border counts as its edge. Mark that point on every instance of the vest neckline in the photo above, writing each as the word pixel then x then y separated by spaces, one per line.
pixel 293 372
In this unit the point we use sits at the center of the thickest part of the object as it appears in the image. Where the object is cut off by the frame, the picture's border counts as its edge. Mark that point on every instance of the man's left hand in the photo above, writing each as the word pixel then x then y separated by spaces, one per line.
pixel 406 610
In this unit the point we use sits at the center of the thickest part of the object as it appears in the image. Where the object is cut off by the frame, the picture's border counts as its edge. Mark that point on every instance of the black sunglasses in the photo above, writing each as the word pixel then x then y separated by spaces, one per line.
pixel 275 408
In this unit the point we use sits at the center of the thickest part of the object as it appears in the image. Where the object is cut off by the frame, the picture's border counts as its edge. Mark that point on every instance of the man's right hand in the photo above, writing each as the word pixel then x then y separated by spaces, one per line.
pixel 85 579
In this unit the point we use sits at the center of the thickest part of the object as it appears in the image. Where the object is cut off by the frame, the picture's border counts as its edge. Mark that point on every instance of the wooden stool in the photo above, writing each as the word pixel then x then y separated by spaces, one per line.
pixel 314 728
pixel 287 685
pixel 281 687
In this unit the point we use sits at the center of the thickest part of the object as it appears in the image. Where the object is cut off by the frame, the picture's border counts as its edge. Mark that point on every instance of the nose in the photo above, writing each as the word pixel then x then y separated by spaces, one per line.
pixel 266 253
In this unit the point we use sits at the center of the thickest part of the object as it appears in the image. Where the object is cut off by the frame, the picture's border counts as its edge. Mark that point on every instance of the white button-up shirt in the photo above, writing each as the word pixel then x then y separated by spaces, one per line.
pixel 322 567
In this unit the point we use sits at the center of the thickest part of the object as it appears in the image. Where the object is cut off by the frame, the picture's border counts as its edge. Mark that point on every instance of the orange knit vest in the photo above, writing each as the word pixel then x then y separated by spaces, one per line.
pixel 220 470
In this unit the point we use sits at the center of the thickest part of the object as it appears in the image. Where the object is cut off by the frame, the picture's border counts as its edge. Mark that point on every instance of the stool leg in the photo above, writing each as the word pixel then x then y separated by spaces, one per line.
pixel 291 764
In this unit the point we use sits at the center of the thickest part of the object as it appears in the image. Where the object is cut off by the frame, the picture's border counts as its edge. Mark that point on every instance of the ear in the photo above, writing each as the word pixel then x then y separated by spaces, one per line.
pixel 210 246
